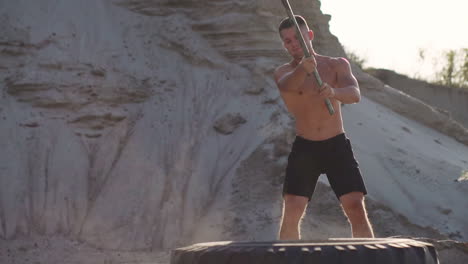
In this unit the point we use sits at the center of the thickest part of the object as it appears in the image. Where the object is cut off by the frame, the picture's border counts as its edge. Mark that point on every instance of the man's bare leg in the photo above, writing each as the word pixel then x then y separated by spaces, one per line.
pixel 355 210
pixel 293 210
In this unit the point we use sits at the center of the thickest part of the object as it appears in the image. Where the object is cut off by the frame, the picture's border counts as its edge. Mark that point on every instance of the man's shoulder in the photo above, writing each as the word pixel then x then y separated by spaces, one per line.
pixel 280 70
pixel 286 66
pixel 338 61
pixel 341 62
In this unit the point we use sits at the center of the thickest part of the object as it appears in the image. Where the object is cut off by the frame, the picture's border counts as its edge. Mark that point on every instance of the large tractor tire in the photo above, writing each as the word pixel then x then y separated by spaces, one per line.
pixel 331 251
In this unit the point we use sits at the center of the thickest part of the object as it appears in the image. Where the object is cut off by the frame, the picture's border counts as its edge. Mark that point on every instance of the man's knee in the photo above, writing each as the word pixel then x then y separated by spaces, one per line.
pixel 294 206
pixel 353 203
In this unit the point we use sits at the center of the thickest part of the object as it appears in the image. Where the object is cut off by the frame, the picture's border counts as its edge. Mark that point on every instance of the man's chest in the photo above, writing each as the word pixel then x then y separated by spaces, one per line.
pixel 311 85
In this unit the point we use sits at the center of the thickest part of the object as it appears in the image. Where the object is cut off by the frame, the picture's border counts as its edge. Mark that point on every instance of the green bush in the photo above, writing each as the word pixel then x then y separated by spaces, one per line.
pixel 455 69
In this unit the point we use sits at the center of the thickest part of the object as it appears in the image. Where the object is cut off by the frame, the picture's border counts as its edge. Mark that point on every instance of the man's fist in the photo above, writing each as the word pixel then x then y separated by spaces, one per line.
pixel 308 64
pixel 326 91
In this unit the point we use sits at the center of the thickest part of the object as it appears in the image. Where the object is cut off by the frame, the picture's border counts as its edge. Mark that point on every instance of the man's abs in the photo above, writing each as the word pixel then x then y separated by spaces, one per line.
pixel 317 124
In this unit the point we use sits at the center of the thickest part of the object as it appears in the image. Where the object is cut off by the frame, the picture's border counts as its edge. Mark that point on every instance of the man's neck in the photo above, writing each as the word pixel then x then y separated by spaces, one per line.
pixel 296 61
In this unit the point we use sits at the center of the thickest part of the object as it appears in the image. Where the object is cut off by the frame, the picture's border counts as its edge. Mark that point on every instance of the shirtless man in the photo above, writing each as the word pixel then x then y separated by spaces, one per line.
pixel 320 145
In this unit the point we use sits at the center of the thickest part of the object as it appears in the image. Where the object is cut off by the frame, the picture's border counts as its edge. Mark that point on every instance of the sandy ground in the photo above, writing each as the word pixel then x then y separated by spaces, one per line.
pixel 57 249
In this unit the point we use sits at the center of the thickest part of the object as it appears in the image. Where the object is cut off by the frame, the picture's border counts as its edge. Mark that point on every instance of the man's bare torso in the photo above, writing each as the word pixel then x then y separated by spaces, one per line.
pixel 313 121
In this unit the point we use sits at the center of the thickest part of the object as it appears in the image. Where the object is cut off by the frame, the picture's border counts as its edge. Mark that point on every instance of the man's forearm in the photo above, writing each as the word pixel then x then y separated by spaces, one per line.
pixel 293 81
pixel 347 95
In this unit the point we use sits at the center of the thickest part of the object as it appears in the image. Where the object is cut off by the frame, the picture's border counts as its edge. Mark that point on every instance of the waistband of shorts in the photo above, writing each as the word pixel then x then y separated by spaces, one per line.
pixel 338 137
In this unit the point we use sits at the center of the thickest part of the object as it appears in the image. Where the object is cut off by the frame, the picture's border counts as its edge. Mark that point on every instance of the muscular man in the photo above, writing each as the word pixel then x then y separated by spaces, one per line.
pixel 321 145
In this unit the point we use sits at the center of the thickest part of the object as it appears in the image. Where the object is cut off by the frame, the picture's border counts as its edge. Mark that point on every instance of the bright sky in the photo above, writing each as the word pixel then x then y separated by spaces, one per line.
pixel 389 34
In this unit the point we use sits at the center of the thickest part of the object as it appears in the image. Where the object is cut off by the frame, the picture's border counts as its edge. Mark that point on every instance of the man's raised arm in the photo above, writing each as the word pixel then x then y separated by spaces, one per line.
pixel 347 90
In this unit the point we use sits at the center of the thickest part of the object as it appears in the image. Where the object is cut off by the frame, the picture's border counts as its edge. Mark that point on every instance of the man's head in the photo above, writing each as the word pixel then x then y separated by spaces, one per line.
pixel 287 32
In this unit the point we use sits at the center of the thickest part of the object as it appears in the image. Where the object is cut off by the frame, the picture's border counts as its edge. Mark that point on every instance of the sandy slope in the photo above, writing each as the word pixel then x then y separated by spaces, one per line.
pixel 411 168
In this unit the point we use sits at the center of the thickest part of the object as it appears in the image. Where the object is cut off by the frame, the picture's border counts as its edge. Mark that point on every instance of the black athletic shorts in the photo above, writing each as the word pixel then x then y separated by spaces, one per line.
pixel 334 157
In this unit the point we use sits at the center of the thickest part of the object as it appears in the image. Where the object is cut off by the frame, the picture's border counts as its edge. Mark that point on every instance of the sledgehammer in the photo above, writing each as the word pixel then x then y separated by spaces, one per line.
pixel 307 54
